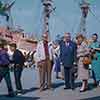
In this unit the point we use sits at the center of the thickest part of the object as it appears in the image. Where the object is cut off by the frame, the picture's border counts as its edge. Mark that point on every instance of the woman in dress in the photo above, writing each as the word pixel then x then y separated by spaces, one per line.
pixel 56 53
pixel 83 71
pixel 95 45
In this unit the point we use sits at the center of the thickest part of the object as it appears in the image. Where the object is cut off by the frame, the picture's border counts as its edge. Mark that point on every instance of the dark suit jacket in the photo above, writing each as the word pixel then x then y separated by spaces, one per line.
pixel 18 58
pixel 68 53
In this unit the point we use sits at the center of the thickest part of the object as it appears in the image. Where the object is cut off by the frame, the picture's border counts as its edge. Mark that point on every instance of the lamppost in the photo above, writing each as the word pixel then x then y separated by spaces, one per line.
pixel 84 5
pixel 47 10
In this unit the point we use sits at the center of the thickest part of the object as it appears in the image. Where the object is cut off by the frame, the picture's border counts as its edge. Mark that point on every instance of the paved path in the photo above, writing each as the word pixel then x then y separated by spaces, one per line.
pixel 30 84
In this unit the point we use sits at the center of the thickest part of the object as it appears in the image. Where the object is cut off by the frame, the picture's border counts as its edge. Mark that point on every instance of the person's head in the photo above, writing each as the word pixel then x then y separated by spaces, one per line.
pixel 67 37
pixel 94 37
pixel 55 44
pixel 80 38
pixel 13 46
pixel 45 37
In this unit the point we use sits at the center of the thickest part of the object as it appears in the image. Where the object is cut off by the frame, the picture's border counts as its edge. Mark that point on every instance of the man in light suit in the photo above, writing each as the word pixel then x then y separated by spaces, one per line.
pixel 44 57
pixel 68 57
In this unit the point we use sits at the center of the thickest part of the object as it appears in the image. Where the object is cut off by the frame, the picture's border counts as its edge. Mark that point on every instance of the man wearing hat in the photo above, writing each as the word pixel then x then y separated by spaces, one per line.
pixel 4 69
pixel 18 60
pixel 44 58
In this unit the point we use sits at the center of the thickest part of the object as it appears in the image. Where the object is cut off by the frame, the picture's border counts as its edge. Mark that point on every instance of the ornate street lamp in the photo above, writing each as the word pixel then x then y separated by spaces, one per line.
pixel 47 9
pixel 84 5
pixel 84 8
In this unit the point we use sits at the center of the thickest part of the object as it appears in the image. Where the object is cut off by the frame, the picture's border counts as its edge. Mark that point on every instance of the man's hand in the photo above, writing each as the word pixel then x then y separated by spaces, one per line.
pixel 17 65
pixel 75 63
pixel 40 63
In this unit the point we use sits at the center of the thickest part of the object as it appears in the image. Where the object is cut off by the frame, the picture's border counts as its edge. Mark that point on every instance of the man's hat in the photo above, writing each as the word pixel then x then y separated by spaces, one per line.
pixel 13 45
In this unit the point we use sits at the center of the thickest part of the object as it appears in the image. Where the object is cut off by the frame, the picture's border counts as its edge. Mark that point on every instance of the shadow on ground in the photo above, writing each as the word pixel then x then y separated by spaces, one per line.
pixel 3 97
pixel 30 90
pixel 78 84
pixel 57 85
pixel 92 98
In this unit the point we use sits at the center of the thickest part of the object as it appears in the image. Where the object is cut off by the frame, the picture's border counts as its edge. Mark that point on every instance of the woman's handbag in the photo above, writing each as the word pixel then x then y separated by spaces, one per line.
pixel 86 60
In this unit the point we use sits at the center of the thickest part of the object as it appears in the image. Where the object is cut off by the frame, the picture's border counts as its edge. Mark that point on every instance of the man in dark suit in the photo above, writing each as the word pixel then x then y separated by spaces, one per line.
pixel 68 58
pixel 18 60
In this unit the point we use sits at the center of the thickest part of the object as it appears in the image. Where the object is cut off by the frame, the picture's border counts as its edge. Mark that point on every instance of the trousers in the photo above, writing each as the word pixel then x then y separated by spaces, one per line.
pixel 45 70
pixel 4 73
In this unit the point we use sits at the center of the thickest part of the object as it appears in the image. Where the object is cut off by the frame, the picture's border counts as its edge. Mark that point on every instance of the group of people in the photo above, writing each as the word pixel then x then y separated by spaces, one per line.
pixel 17 60
pixel 64 53
pixel 68 54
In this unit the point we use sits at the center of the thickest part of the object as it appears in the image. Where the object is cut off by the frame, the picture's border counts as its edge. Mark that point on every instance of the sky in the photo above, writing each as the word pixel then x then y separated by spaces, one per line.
pixel 66 18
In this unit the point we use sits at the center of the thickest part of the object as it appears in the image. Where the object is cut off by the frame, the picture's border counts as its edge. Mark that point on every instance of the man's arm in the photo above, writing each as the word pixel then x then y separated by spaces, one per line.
pixel 75 53
pixel 61 53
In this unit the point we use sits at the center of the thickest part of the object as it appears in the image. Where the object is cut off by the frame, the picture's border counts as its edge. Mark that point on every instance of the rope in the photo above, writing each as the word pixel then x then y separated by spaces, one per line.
pixel 96 17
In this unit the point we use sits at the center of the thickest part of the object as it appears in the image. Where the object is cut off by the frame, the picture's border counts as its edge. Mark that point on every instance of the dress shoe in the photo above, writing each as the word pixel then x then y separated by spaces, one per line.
pixel 57 77
pixel 42 89
pixel 84 90
pixel 73 88
pixel 11 95
pixel 66 88
pixel 19 92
